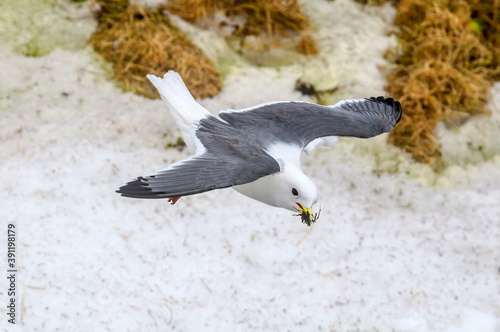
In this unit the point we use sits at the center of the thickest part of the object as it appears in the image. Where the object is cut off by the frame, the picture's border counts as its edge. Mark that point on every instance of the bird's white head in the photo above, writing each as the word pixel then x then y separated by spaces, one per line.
pixel 290 189
pixel 298 193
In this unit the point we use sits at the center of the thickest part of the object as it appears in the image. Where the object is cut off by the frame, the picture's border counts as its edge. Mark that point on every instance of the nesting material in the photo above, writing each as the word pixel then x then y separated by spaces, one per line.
pixel 446 64
pixel 140 41
pixel 270 20
pixel 306 45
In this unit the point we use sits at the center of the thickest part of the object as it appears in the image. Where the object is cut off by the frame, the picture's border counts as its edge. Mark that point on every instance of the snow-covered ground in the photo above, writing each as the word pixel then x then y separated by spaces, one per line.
pixel 397 247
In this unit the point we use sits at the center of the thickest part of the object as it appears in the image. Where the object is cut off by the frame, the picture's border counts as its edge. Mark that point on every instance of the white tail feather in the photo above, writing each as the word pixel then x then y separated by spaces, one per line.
pixel 181 104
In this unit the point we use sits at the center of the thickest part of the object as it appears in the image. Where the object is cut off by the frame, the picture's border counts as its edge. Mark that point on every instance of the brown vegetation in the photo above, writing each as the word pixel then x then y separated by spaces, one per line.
pixel 271 19
pixel 448 57
pixel 142 41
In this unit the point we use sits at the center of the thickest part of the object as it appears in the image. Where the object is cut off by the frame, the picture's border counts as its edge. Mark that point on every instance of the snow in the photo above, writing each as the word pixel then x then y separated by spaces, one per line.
pixel 397 247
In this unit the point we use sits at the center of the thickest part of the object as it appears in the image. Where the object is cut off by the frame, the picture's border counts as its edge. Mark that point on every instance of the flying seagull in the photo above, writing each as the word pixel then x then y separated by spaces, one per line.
pixel 256 150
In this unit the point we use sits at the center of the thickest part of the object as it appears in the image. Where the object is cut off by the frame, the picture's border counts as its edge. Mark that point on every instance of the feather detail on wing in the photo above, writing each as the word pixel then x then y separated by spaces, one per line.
pixel 223 159
pixel 302 123
pixel 233 151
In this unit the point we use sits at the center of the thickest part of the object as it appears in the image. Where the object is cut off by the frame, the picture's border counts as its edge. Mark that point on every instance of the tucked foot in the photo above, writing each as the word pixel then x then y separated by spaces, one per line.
pixel 174 199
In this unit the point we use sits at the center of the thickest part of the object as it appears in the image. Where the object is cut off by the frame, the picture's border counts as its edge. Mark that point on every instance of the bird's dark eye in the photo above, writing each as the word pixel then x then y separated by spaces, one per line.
pixel 295 192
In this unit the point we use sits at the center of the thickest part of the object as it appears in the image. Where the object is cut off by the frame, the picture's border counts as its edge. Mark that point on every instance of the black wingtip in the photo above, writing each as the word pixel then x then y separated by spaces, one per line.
pixel 135 188
pixel 394 104
pixel 399 109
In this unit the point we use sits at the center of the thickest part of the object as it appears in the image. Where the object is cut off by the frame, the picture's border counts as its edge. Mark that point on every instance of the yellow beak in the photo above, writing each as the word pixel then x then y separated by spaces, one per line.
pixel 307 215
pixel 304 210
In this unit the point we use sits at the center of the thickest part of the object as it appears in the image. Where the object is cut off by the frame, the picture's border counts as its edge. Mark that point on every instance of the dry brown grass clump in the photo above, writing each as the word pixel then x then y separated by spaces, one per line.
pixel 306 45
pixel 486 24
pixel 270 19
pixel 142 41
pixel 448 59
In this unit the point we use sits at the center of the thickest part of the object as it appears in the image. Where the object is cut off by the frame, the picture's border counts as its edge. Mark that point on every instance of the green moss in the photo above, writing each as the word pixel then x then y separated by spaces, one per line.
pixel 476 26
pixel 37 27
pixel 179 144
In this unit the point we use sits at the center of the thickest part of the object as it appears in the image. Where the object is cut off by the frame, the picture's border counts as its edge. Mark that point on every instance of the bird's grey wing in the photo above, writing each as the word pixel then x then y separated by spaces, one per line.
pixel 301 122
pixel 226 159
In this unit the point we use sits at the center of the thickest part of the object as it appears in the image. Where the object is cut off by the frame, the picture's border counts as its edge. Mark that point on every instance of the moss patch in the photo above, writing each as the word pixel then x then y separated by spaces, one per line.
pixel 36 27
pixel 142 41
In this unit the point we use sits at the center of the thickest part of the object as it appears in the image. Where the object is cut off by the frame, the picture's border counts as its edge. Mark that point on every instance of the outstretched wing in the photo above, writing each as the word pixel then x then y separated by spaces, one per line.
pixel 301 122
pixel 233 152
pixel 224 158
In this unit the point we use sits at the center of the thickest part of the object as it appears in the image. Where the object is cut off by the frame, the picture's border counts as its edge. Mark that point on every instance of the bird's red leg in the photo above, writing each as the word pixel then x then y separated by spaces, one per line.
pixel 174 199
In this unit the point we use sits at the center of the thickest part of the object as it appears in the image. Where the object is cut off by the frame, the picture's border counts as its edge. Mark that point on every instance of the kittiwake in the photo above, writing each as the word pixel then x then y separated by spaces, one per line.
pixel 256 150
